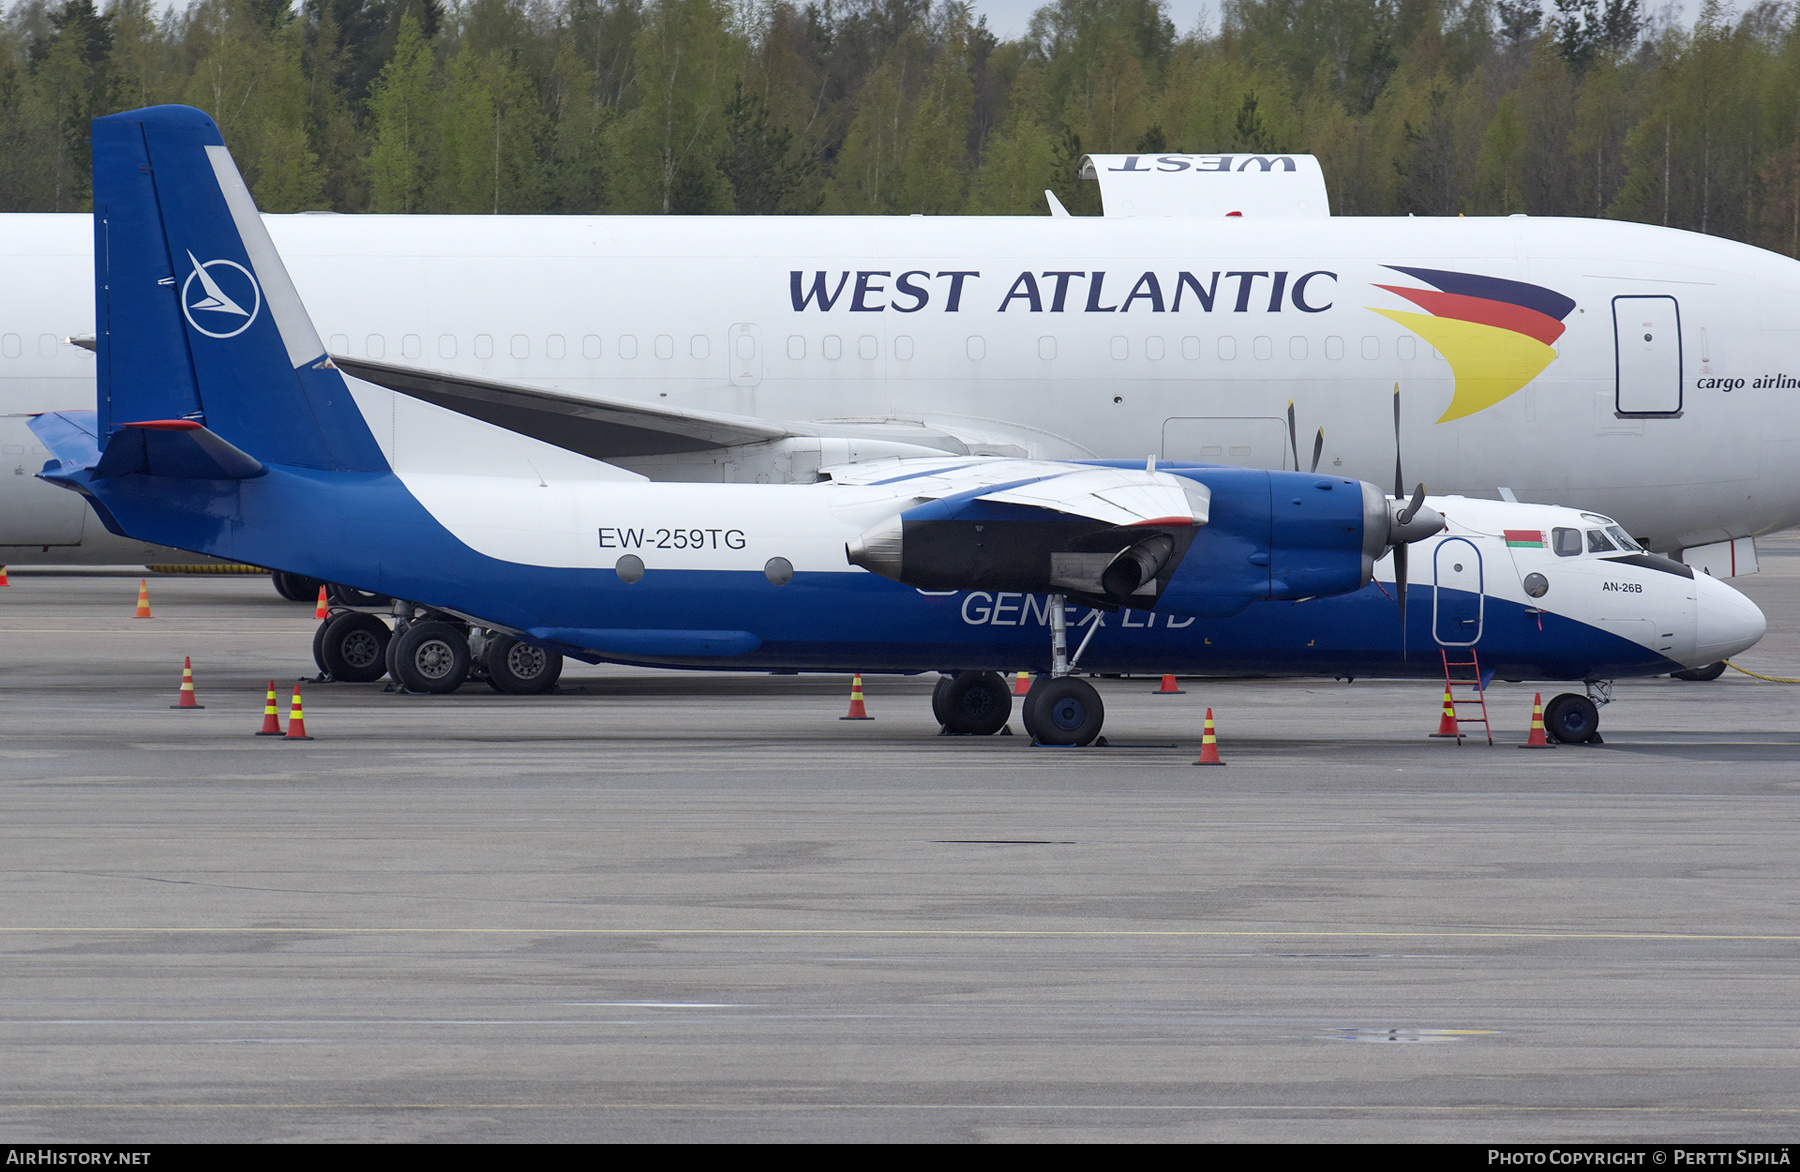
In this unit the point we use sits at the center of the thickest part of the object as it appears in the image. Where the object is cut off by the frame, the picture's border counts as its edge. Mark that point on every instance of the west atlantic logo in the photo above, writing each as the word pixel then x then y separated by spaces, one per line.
pixel 1496 334
pixel 215 295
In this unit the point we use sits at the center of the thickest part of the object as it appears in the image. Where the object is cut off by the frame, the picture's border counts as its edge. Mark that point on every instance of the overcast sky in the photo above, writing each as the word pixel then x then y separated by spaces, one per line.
pixel 1007 18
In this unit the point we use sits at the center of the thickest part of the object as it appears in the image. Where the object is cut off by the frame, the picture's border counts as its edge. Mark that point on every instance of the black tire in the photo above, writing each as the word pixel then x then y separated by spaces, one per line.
pixel 1063 712
pixel 1711 671
pixel 1572 719
pixel 973 703
pixel 938 712
pixel 431 657
pixel 295 587
pixel 319 646
pixel 351 596
pixel 353 647
pixel 520 669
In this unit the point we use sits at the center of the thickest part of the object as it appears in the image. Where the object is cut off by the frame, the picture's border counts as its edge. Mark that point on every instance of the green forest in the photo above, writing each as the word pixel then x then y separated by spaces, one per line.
pixel 1428 107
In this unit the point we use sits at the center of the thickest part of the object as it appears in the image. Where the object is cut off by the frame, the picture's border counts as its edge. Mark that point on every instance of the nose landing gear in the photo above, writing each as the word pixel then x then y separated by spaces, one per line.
pixel 1575 720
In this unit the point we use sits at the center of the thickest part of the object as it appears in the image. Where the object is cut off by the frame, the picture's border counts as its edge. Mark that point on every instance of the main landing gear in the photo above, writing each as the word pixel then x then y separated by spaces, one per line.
pixel 1060 709
pixel 429 652
pixel 972 703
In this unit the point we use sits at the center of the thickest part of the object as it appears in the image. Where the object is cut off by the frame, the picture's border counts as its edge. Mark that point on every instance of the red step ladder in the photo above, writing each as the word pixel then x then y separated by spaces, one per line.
pixel 1478 700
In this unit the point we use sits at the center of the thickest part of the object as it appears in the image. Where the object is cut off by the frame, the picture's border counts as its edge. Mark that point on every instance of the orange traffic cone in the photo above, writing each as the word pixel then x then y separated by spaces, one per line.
pixel 1022 685
pixel 1447 722
pixel 187 685
pixel 143 610
pixel 271 718
pixel 3 580
pixel 1168 688
pixel 296 720
pixel 1209 744
pixel 1537 739
pixel 321 611
pixel 857 711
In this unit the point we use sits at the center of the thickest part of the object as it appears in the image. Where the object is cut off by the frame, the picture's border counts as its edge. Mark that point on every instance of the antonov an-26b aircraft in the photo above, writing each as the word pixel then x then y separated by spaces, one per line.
pixel 224 427
pixel 1641 372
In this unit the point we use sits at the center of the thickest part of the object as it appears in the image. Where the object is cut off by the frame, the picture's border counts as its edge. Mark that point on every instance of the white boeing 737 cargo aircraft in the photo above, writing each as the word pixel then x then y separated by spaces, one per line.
pixel 1646 373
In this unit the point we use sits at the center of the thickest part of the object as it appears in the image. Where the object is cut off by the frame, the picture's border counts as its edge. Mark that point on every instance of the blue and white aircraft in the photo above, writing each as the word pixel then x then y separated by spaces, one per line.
pixel 223 427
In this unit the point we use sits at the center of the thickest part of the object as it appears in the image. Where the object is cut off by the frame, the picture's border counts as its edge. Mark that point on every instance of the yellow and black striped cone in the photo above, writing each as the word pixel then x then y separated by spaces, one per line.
pixel 857 711
pixel 187 686
pixel 1209 744
pixel 271 716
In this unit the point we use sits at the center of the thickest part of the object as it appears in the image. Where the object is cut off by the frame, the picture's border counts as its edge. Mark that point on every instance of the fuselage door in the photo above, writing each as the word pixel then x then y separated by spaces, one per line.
pixel 1456 597
pixel 1647 334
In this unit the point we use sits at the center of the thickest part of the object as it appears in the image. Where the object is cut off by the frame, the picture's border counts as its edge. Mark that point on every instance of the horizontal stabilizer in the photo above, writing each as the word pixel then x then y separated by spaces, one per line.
pixel 70 436
pixel 601 429
pixel 176 448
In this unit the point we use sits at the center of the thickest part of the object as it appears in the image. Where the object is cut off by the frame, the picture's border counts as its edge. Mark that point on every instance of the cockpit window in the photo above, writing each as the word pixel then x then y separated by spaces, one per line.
pixel 1623 538
pixel 1597 542
pixel 1566 541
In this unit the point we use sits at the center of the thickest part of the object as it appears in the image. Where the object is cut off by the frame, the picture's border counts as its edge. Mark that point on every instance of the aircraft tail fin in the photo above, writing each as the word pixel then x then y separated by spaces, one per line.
pixel 196 316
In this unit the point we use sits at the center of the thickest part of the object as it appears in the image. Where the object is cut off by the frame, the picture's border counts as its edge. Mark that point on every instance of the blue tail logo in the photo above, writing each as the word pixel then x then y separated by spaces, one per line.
pixel 213 298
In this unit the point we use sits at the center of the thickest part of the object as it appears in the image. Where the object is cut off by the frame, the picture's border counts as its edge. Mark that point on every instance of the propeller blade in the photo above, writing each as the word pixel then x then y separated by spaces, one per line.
pixel 1400 592
pixel 1399 480
pixel 1294 437
pixel 1318 448
pixel 1412 507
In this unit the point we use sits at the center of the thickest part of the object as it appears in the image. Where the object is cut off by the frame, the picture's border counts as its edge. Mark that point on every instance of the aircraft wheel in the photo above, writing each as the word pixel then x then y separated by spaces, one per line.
pixel 1711 671
pixel 319 647
pixel 938 712
pixel 519 669
pixel 973 703
pixel 1063 712
pixel 295 587
pixel 431 657
pixel 353 647
pixel 1572 719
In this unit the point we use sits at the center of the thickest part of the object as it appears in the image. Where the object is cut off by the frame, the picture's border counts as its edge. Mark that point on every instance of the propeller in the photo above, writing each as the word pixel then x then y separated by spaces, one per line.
pixel 1294 441
pixel 1399 480
pixel 1408 519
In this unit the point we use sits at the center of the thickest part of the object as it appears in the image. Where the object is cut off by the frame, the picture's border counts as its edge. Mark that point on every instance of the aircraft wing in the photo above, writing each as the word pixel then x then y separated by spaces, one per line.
pixel 603 429
pixel 1117 496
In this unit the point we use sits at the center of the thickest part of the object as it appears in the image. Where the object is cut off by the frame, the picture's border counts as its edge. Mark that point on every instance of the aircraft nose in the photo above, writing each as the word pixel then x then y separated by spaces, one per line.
pixel 1726 622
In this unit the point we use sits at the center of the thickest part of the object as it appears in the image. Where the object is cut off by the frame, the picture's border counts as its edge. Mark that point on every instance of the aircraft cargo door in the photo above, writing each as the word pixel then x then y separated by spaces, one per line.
pixel 1456 597
pixel 1647 334
pixel 1245 441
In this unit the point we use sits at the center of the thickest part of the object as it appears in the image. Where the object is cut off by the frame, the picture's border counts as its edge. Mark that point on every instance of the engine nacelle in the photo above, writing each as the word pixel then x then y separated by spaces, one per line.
pixel 1252 536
